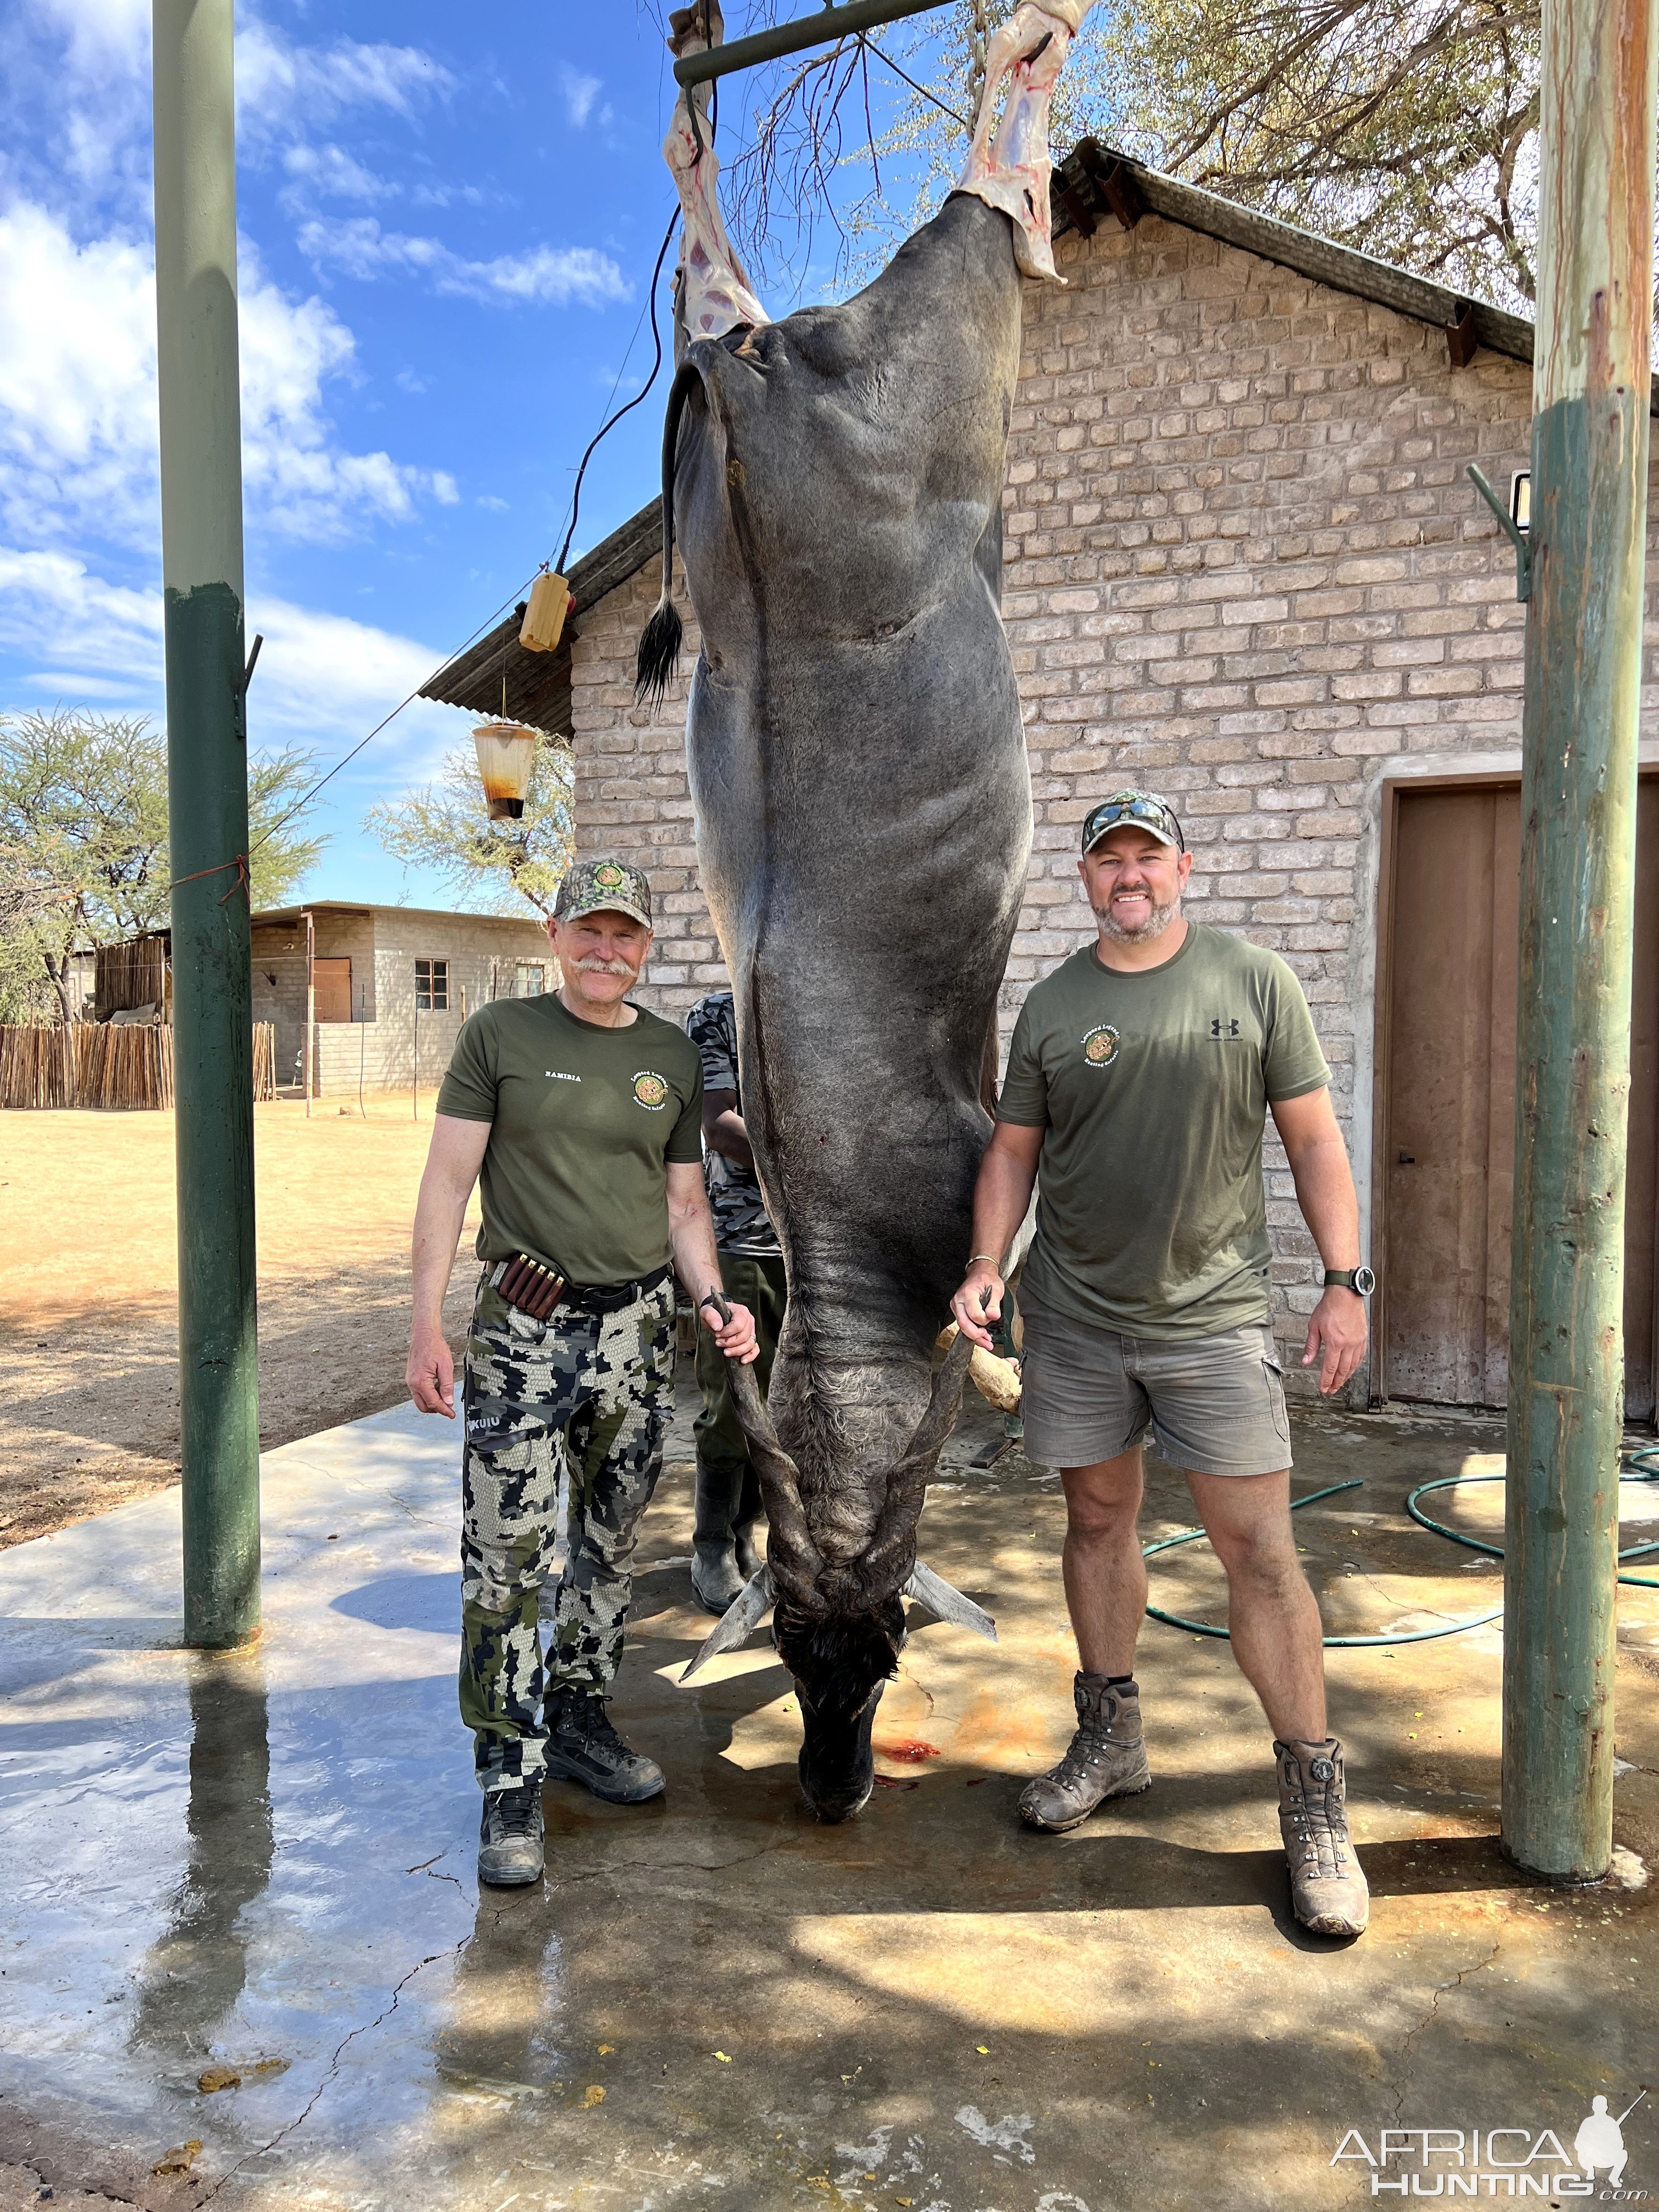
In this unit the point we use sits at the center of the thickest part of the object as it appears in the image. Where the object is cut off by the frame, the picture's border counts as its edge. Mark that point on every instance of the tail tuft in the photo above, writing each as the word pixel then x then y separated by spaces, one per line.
pixel 659 651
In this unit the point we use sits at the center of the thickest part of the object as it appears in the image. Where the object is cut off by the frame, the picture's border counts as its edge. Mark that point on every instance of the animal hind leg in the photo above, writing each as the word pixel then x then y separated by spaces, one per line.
pixel 1011 169
pixel 715 295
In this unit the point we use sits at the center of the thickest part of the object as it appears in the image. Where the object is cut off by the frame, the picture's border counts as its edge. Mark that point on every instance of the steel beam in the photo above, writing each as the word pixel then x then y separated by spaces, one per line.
pixel 207 788
pixel 1590 472
pixel 821 29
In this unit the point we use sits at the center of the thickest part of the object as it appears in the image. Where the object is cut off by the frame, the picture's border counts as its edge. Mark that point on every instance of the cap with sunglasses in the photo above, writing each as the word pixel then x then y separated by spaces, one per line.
pixel 1141 810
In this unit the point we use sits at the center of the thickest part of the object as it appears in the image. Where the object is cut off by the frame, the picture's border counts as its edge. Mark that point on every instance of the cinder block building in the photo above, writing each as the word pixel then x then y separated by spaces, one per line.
pixel 393 985
pixel 1244 564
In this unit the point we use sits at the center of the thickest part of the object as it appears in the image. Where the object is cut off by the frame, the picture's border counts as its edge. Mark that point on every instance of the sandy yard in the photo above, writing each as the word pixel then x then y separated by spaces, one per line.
pixel 88 1287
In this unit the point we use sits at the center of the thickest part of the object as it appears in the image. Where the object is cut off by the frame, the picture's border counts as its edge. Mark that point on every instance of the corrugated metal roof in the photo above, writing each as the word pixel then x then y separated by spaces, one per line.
pixel 537 684
pixel 1092 183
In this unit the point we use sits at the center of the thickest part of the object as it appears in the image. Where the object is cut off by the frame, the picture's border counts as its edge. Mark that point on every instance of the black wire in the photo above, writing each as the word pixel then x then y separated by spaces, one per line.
pixel 865 40
pixel 575 496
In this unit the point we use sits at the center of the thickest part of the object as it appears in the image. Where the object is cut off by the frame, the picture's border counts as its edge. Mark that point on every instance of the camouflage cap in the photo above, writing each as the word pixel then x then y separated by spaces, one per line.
pixel 605 885
pixel 1137 809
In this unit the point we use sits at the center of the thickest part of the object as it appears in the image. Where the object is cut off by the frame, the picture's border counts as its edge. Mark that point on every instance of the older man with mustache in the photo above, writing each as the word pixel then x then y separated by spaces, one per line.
pixel 583 1114
pixel 1140 1076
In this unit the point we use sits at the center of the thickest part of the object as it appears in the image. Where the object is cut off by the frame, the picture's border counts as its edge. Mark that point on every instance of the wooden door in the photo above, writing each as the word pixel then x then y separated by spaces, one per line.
pixel 1448 1125
pixel 333 984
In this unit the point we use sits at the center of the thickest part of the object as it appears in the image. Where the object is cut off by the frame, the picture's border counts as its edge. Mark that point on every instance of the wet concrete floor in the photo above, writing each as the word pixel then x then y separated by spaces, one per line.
pixel 245 1961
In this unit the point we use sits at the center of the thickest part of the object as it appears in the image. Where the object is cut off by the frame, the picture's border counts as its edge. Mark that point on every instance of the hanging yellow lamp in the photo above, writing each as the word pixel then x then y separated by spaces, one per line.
pixel 549 602
pixel 505 752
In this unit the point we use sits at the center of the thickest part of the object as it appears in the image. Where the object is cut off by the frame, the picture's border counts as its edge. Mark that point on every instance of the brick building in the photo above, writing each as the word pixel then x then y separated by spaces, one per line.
pixel 1243 564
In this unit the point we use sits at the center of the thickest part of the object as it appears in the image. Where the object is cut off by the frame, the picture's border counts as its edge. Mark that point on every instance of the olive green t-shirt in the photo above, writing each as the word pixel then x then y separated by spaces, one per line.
pixel 1154 1088
pixel 582 1121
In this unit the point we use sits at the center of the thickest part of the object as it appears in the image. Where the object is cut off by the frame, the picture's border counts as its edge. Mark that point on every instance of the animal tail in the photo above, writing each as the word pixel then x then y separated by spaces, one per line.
pixel 659 641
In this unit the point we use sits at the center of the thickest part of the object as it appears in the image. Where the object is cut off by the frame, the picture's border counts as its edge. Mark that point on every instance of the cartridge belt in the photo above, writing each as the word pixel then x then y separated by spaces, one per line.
pixel 536 1290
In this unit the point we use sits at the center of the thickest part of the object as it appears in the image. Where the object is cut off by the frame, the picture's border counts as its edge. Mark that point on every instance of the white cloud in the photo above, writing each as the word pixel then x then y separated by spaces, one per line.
pixel 323 679
pixel 78 397
pixel 328 173
pixel 280 85
pixel 579 93
pixel 546 276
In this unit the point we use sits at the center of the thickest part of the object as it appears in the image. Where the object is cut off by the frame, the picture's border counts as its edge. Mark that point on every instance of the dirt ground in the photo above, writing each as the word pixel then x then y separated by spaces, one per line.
pixel 89 1289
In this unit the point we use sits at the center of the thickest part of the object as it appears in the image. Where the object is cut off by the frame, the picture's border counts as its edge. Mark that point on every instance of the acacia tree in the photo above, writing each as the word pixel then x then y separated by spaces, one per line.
pixel 83 806
pixel 1404 128
pixel 490 865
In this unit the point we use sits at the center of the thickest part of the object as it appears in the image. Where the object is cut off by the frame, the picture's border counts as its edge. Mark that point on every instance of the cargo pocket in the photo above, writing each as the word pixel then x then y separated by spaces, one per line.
pixel 1273 1375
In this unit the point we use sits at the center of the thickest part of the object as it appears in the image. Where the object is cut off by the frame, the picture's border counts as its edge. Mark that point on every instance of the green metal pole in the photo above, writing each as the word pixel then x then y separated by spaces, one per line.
pixel 823 27
pixel 207 783
pixel 1589 473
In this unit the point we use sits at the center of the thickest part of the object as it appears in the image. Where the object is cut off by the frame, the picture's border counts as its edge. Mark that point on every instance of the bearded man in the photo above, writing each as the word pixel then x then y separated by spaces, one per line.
pixel 1139 1081
pixel 584 1114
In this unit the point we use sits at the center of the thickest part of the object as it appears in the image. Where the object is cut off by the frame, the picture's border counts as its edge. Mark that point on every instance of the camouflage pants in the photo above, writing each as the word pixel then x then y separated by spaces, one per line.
pixel 588 1396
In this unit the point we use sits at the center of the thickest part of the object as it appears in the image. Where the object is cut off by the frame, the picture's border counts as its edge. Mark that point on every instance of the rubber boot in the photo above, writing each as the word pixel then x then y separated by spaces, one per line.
pixel 717 1579
pixel 583 1747
pixel 1327 1889
pixel 1107 1757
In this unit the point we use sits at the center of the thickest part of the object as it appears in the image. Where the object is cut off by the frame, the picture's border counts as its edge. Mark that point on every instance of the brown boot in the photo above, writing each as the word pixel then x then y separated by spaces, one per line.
pixel 1328 1890
pixel 1106 1759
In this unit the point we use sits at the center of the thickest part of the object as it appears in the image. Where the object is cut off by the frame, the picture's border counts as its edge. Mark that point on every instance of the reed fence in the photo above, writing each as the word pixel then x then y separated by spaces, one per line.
pixel 125 1066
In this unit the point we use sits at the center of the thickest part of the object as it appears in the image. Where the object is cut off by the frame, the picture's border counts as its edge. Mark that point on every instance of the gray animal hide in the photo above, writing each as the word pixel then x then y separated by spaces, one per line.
pixel 863 819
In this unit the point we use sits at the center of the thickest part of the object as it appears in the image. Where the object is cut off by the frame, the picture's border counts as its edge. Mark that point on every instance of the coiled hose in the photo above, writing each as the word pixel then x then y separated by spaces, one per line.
pixel 1640 1466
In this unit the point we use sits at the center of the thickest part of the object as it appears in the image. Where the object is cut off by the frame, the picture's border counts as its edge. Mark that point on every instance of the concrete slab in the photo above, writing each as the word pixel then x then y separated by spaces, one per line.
pixel 258 1871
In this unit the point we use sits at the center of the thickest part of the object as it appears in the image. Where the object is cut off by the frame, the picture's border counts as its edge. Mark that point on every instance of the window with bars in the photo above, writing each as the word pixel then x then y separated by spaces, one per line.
pixel 432 986
pixel 532 979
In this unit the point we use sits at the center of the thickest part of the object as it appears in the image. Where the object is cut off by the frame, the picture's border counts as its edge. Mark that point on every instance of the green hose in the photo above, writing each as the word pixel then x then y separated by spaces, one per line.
pixel 1645 1461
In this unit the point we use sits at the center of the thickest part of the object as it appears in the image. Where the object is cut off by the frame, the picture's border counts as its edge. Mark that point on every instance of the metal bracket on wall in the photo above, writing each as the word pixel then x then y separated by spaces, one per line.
pixel 247 678
pixel 1507 525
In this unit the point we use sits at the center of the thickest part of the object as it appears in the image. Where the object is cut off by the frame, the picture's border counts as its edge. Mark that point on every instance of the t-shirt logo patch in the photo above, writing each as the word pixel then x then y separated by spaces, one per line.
pixel 1100 1045
pixel 649 1089
pixel 1223 1026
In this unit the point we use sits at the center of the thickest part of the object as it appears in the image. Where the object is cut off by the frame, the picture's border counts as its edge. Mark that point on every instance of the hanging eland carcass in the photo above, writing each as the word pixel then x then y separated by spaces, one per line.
pixel 834 483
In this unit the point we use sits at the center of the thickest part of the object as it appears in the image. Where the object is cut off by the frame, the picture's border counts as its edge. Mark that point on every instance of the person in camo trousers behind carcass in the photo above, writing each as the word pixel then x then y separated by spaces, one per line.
pixel 728 1539
pixel 581 1116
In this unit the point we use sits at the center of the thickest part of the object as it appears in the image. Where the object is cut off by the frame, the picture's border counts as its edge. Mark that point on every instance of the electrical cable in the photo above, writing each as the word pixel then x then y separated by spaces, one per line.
pixel 611 422
pixel 1644 1463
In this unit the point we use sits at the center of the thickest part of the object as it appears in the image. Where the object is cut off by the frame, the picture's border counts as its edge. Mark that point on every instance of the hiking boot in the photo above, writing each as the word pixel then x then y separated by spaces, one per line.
pixel 510 1835
pixel 1328 1890
pixel 1106 1759
pixel 583 1747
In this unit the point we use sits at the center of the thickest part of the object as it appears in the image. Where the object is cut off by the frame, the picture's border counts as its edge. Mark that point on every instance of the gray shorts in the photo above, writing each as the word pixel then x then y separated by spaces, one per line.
pixel 1214 1404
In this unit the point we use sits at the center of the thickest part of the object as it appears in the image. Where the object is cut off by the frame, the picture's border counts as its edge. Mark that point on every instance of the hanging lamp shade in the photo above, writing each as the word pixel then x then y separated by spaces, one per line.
pixel 506 750
pixel 548 603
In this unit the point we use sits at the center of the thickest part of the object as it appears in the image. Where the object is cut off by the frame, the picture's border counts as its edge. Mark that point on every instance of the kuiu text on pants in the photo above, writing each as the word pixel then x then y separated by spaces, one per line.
pixel 591 1394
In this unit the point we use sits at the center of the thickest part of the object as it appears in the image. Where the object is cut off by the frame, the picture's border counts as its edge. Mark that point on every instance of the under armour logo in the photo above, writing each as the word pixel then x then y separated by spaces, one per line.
pixel 1222 1027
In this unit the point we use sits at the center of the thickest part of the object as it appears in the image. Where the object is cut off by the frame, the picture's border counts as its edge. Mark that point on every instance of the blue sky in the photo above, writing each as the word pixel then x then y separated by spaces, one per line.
pixel 449 221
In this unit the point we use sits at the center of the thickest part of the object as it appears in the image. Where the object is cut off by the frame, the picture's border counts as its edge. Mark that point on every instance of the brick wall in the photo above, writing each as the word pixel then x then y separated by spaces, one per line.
pixel 1243 565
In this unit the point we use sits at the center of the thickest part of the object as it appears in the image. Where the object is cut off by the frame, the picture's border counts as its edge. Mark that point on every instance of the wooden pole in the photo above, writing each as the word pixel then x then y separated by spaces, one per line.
pixel 1589 473
pixel 200 406
pixel 311 1005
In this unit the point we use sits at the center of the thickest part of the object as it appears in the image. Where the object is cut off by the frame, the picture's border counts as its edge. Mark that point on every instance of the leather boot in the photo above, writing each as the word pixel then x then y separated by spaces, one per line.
pixel 510 1835
pixel 1328 1890
pixel 717 1581
pixel 1107 1757
pixel 583 1747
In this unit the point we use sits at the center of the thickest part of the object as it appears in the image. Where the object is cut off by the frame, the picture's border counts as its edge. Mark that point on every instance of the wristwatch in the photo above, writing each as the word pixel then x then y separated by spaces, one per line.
pixel 1351 1278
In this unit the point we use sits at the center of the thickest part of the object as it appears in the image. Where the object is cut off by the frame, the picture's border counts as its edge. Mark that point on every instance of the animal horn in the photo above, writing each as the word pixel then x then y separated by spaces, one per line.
pixel 778 1476
pixel 741 1618
pixel 946 1603
pixel 907 1486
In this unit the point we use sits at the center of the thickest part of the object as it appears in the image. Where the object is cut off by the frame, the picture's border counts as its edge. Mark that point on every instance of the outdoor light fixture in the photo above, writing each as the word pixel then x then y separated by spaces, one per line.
pixel 1521 499
pixel 549 602
pixel 505 752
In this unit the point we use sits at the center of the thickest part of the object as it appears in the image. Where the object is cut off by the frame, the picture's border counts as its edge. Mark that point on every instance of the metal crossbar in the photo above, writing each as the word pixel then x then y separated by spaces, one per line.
pixel 821 28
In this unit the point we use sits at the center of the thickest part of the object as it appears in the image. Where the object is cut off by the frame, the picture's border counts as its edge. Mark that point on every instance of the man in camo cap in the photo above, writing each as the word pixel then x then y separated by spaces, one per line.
pixel 579 1115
